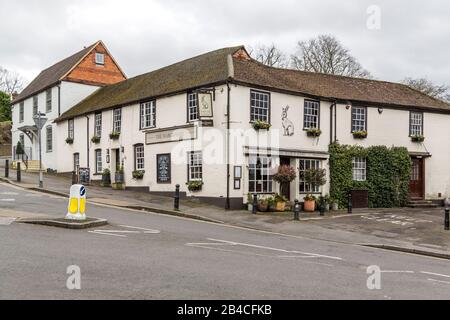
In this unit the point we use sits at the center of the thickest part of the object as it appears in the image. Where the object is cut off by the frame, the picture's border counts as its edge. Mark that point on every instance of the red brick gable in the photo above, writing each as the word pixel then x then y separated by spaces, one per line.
pixel 87 71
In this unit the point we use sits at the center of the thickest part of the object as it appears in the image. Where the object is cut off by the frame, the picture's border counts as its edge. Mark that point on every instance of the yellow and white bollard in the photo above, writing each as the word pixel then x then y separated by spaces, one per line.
pixel 77 203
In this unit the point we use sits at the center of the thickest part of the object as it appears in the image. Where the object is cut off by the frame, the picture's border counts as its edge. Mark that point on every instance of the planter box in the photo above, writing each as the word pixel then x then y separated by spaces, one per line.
pixel 118 186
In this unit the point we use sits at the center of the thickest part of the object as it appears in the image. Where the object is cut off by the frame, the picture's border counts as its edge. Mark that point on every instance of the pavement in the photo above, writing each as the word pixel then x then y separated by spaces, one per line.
pixel 152 256
pixel 410 230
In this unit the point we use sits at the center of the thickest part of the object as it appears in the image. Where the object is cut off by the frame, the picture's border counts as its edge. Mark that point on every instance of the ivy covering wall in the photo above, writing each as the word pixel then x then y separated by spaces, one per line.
pixel 388 174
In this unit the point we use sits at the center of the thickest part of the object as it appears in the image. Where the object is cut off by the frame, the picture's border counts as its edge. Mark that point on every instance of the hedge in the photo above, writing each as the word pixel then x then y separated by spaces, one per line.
pixel 388 174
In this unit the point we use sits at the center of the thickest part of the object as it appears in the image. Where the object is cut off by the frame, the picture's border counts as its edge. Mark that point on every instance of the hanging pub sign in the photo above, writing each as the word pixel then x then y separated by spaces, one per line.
pixel 164 168
pixel 205 105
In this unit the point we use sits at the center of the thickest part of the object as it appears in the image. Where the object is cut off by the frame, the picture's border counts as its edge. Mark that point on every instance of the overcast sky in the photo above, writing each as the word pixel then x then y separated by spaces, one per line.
pixel 413 39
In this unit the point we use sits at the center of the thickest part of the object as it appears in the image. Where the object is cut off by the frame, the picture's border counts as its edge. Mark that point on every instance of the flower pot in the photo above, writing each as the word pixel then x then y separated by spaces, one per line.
pixel 327 207
pixel 250 207
pixel 280 206
pixel 106 180
pixel 335 207
pixel 309 206
pixel 263 207
pixel 119 178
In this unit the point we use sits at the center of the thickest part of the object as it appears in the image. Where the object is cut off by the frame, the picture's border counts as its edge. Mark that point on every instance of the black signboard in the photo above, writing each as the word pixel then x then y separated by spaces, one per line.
pixel 84 175
pixel 163 168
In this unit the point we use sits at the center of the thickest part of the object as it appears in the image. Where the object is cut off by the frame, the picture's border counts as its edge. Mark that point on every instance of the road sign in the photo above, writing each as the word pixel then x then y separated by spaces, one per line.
pixel 77 203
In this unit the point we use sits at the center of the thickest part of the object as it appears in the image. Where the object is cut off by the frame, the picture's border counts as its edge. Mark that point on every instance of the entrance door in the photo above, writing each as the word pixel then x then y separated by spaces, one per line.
pixel 416 183
pixel 285 188
pixel 117 156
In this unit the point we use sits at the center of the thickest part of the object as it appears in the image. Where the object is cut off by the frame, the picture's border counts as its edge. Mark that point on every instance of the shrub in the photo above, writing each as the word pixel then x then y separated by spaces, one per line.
pixel 194 186
pixel 314 132
pixel 95 139
pixel 114 135
pixel 19 149
pixel 138 174
pixel 360 134
pixel 417 138
pixel 261 125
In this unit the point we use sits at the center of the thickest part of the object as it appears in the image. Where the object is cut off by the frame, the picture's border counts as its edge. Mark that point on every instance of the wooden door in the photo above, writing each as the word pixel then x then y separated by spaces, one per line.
pixel 285 188
pixel 416 183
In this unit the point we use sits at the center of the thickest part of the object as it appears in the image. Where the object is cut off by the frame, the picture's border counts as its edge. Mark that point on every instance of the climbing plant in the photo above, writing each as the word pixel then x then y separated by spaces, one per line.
pixel 388 173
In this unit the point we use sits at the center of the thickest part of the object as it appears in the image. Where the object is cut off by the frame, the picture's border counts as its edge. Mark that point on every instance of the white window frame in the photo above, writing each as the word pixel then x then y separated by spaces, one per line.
pixel 359 169
pixel 259 106
pixel 148 114
pixel 35 105
pixel 21 112
pixel 192 104
pixel 49 138
pixel 76 161
pixel 311 118
pixel 195 166
pixel 71 128
pixel 139 157
pixel 98 124
pixel 262 183
pixel 99 58
pixel 48 101
pixel 359 119
pixel 98 161
pixel 306 164
pixel 117 120
pixel 415 124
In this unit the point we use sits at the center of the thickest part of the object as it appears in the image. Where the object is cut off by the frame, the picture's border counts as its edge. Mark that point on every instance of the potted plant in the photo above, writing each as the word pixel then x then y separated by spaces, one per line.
pixel 96 139
pixel 285 175
pixel 106 178
pixel 280 203
pixel 263 205
pixel 119 179
pixel 360 134
pixel 19 150
pixel 327 202
pixel 313 132
pixel 315 178
pixel 250 202
pixel 69 140
pixel 194 186
pixel 138 174
pixel 417 138
pixel 261 125
pixel 114 135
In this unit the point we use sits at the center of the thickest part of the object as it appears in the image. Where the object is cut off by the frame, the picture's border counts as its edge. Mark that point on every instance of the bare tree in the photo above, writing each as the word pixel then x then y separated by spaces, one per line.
pixel 325 54
pixel 426 86
pixel 270 56
pixel 10 82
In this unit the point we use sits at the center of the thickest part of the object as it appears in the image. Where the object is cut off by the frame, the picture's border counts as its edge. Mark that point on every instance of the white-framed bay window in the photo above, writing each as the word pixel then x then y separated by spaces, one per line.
pixel 148 115
pixel 195 166
pixel 260 174
pixel 308 164
pixel 359 166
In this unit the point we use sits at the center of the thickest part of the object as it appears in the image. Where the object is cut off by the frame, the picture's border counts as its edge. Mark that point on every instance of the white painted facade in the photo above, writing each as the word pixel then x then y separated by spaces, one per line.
pixel 389 127
pixel 63 96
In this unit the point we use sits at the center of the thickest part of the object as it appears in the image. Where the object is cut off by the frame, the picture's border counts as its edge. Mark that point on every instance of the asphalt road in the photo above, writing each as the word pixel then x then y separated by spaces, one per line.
pixel 150 256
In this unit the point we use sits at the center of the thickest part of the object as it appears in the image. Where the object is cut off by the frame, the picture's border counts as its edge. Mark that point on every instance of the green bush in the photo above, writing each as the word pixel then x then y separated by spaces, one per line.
pixel 388 174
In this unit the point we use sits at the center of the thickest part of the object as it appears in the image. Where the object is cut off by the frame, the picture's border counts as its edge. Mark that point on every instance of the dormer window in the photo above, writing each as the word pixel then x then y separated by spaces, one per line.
pixel 100 59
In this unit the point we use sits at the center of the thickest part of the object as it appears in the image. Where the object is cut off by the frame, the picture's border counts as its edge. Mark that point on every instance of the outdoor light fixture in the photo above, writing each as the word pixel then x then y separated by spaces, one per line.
pixel 380 110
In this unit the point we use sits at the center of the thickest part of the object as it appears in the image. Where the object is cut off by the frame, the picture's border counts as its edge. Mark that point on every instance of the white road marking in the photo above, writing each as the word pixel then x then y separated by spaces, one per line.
pixel 435 274
pixel 389 271
pixel 439 281
pixel 9 193
pixel 117 231
pixel 150 231
pixel 107 234
pixel 296 254
pixel 6 221
pixel 7 200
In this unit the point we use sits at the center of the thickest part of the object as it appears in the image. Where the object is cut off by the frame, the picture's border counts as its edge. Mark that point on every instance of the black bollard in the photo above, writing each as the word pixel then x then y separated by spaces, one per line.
pixel 350 203
pixel 322 206
pixel 74 178
pixel 255 203
pixel 447 219
pixel 297 210
pixel 19 176
pixel 177 198
pixel 6 168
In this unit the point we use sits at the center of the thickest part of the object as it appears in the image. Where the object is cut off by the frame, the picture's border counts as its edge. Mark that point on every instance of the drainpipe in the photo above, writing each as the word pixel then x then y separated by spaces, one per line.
pixel 228 205
pixel 87 140
pixel 59 100
pixel 333 105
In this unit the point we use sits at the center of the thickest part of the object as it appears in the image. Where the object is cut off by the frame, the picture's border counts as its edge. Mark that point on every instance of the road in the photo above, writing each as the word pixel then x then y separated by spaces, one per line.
pixel 150 256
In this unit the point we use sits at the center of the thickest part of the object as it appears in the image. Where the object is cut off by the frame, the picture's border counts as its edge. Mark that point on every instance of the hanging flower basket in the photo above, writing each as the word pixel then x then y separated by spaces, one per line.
pixel 417 138
pixel 114 135
pixel 360 134
pixel 261 125
pixel 314 133
pixel 138 174
pixel 95 139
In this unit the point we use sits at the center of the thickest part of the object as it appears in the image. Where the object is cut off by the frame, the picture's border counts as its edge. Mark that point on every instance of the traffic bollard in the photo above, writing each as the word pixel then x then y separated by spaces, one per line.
pixel 255 203
pixel 19 176
pixel 7 168
pixel 447 219
pixel 297 210
pixel 177 198
pixel 350 203
pixel 322 206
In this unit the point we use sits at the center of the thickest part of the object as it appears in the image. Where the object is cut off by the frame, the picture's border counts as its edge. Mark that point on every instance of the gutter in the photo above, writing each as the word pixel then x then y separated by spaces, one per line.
pixel 87 141
pixel 230 66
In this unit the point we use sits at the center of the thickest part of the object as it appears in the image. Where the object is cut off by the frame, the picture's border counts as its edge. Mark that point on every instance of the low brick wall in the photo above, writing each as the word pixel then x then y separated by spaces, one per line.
pixel 5 150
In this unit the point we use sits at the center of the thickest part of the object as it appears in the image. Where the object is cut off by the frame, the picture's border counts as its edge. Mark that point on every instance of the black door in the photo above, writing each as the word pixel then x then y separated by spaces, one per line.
pixel 285 188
